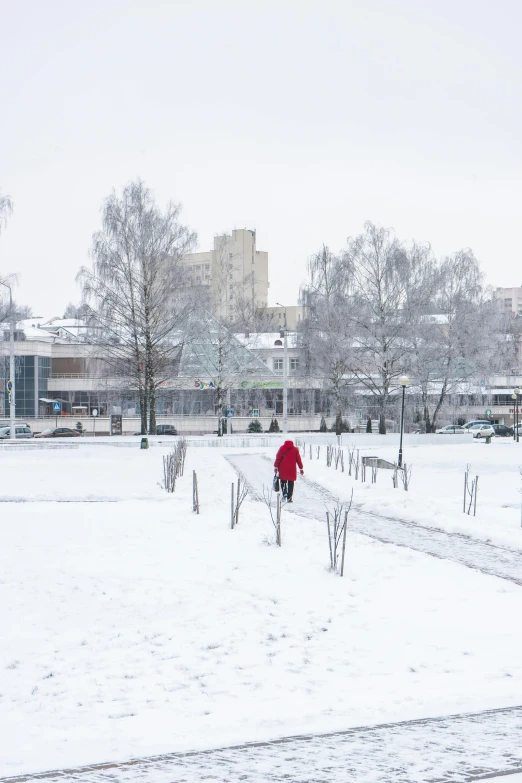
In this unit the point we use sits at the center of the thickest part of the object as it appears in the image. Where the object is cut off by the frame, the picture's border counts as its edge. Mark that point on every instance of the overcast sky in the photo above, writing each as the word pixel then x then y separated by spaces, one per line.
pixel 299 118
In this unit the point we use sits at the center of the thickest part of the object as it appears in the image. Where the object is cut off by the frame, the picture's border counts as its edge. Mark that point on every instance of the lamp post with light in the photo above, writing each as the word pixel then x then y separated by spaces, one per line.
pixel 11 383
pixel 404 381
pixel 283 333
pixel 514 397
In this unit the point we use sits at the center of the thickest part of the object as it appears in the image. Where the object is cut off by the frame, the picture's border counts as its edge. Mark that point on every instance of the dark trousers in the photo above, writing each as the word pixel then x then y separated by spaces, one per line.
pixel 287 488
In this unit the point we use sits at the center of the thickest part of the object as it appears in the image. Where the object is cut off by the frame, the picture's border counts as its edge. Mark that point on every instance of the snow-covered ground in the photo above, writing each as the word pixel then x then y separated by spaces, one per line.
pixel 132 626
pixel 435 496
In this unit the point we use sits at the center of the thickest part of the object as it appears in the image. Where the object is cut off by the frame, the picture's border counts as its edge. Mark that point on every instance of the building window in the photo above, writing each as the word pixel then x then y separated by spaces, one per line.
pixel 278 364
pixel 294 364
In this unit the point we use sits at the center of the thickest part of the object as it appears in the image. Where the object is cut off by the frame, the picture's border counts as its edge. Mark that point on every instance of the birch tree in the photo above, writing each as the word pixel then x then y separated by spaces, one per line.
pixel 327 337
pixel 382 270
pixel 212 352
pixel 6 207
pixel 134 290
pixel 457 339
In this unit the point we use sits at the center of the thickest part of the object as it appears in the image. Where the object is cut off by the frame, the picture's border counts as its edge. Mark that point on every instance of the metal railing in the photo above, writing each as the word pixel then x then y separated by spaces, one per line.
pixel 55 375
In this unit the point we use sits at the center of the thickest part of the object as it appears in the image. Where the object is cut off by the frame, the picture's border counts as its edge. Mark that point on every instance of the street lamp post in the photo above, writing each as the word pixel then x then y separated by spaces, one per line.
pixel 516 435
pixel 404 381
pixel 12 389
pixel 284 334
pixel 514 398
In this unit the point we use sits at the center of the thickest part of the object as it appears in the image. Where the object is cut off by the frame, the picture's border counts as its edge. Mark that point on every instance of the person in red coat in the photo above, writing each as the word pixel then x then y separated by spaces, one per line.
pixel 286 462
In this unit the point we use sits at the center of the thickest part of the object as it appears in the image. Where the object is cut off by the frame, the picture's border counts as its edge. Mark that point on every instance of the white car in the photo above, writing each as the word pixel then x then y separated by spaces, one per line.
pixel 473 424
pixel 482 431
pixel 21 431
pixel 451 429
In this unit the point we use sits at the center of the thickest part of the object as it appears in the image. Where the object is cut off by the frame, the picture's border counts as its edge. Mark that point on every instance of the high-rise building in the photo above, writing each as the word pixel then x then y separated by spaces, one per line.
pixel 512 299
pixel 235 271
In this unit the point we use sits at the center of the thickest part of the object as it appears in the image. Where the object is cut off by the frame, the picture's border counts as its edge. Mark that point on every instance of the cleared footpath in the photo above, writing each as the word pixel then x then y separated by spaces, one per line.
pixel 453 749
pixel 311 498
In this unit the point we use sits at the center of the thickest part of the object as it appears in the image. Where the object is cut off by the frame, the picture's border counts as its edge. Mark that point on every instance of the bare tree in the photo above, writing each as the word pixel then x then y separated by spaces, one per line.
pixel 10 310
pixel 215 355
pixel 327 337
pixel 79 312
pixel 382 271
pixel 212 351
pixel 251 317
pixel 134 290
pixel 6 207
pixel 456 340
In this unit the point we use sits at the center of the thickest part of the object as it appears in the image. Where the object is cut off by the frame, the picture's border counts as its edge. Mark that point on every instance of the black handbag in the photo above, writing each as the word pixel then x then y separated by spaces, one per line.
pixel 276 486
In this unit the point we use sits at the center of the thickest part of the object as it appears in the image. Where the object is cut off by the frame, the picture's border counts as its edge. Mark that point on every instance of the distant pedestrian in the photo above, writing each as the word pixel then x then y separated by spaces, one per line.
pixel 286 462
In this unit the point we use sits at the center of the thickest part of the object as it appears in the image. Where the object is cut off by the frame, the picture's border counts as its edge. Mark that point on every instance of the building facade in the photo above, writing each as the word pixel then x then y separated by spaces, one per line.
pixel 294 315
pixel 510 299
pixel 235 272
pixel 52 364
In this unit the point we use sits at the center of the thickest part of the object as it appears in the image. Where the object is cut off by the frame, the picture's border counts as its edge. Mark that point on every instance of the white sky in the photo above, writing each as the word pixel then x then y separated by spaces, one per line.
pixel 299 118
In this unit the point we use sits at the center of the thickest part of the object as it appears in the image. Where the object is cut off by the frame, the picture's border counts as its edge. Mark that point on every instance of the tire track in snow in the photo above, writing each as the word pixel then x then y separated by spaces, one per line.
pixel 310 500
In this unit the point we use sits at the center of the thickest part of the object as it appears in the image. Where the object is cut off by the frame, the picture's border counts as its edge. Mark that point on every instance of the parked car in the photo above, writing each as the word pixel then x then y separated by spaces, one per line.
pixel 166 429
pixel 163 429
pixel 451 429
pixel 482 431
pixel 58 432
pixel 471 424
pixel 503 431
pixel 21 431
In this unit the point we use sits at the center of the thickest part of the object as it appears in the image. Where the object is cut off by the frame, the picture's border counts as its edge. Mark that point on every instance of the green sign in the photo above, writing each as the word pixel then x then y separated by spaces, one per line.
pixel 488 412
pixel 261 384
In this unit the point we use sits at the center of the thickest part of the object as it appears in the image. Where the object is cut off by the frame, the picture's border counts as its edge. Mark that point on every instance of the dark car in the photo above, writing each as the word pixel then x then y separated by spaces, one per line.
pixel 503 431
pixel 163 429
pixel 58 432
pixel 166 429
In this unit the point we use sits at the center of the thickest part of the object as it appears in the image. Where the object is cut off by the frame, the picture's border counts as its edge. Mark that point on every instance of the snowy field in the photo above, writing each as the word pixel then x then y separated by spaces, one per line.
pixel 435 496
pixel 133 627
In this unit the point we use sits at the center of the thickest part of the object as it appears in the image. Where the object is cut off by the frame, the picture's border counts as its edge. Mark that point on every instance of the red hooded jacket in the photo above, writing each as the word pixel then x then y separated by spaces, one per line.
pixel 286 460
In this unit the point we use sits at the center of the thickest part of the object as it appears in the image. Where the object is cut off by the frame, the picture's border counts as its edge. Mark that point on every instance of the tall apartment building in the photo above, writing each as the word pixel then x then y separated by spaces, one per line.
pixel 234 270
pixel 512 298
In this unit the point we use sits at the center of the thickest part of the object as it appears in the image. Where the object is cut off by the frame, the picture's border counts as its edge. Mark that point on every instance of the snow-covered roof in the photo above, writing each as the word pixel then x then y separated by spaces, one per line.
pixel 265 340
pixel 53 329
pixel 436 318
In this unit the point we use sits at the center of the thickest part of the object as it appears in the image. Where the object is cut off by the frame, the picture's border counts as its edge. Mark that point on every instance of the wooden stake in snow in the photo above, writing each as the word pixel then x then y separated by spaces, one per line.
pixel 235 503
pixel 195 495
pixel 337 524
pixel 268 493
pixel 406 476
pixel 278 529
pixel 470 492
pixel 344 539
pixel 329 539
